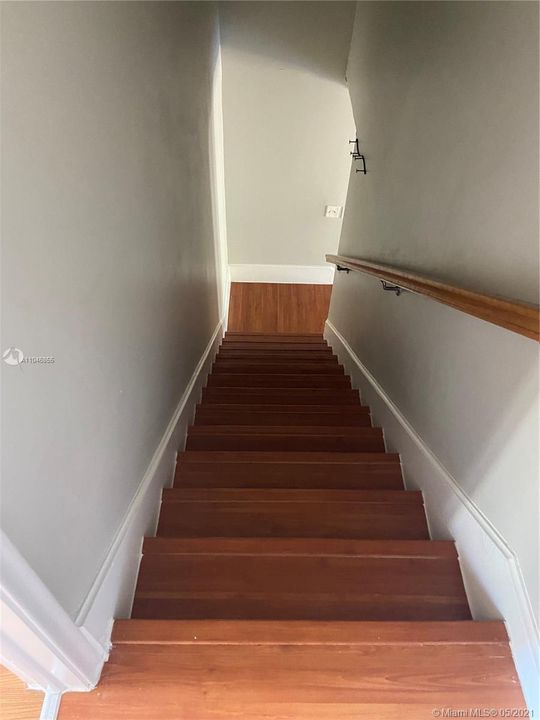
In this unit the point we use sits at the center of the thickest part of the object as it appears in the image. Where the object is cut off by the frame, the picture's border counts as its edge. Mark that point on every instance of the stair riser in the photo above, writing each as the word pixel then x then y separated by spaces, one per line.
pixel 285 443
pixel 278 381
pixel 269 355
pixel 292 340
pixel 302 547
pixel 281 519
pixel 283 476
pixel 264 587
pixel 305 346
pixel 239 417
pixel 293 368
pixel 344 410
pixel 280 431
pixel 262 396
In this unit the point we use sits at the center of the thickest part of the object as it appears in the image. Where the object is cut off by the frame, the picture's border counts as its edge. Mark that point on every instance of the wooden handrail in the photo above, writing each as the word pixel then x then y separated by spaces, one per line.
pixel 519 317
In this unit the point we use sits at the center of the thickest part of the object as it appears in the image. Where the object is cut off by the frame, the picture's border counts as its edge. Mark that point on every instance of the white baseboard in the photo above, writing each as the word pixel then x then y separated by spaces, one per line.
pixel 227 298
pixel 38 639
pixel 39 642
pixel 296 274
pixel 51 706
pixel 111 594
pixel 493 579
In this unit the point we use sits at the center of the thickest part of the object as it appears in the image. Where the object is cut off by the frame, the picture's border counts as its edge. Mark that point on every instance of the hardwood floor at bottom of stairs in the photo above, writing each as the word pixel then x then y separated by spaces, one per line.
pixel 300 671
pixel 16 701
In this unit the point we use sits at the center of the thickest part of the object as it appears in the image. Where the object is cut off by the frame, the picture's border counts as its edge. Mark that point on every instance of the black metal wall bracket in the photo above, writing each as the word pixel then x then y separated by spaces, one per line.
pixel 342 269
pixel 363 168
pixel 392 288
pixel 357 155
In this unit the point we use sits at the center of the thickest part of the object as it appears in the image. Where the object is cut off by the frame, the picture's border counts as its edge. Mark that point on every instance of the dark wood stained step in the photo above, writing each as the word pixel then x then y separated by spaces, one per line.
pixel 312 458
pixel 208 670
pixel 281 368
pixel 366 476
pixel 238 415
pixel 293 495
pixel 278 338
pixel 289 587
pixel 291 354
pixel 277 345
pixel 321 547
pixel 289 470
pixel 346 439
pixel 276 380
pixel 274 396
pixel 321 410
pixel 289 431
pixel 361 518
pixel 308 632
pixel 292 576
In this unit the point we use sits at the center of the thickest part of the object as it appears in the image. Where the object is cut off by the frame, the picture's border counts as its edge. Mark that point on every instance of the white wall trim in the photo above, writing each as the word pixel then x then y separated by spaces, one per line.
pixel 51 706
pixel 492 574
pixel 38 640
pixel 217 178
pixel 227 299
pixel 301 274
pixel 111 593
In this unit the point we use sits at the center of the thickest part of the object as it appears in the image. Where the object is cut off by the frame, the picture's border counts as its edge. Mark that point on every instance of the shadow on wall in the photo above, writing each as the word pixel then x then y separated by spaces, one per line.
pixel 296 36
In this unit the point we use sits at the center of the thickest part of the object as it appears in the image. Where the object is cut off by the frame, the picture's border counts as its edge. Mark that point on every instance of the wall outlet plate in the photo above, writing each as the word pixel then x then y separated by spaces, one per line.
pixel 333 211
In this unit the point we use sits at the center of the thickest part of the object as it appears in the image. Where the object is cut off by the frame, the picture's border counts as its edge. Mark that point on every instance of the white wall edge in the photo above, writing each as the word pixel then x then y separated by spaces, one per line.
pixel 300 274
pixel 493 579
pixel 39 641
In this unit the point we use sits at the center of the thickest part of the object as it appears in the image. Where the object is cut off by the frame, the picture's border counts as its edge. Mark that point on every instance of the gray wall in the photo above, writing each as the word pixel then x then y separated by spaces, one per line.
pixel 445 98
pixel 108 261
pixel 287 120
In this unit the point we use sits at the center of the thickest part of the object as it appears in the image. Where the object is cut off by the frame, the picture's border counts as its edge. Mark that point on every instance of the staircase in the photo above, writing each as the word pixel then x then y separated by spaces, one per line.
pixel 292 576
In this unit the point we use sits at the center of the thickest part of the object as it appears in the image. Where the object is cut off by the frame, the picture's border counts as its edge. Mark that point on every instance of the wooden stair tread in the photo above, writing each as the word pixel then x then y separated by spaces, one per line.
pixel 221 367
pixel 286 430
pixel 274 344
pixel 285 408
pixel 280 475
pixel 203 680
pixel 292 336
pixel 274 396
pixel 283 338
pixel 273 354
pixel 291 442
pixel 266 495
pixel 325 547
pixel 277 380
pixel 281 415
pixel 316 458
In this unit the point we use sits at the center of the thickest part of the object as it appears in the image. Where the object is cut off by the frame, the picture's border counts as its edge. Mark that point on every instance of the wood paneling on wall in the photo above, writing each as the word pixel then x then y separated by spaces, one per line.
pixel 278 307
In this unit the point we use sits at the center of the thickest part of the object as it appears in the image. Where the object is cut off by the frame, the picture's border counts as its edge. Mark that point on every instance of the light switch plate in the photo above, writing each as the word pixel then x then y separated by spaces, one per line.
pixel 333 211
